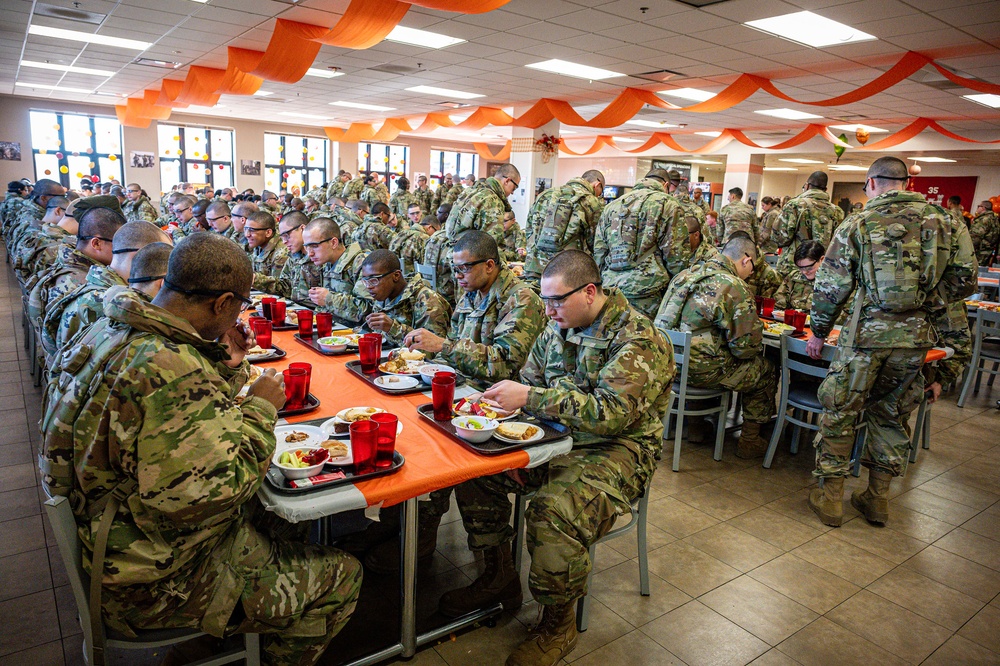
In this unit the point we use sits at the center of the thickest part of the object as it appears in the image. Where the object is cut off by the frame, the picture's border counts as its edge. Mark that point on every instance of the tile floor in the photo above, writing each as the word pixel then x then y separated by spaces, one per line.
pixel 741 570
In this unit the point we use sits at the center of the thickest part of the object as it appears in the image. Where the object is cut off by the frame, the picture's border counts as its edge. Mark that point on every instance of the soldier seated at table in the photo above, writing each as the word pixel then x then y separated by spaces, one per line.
pixel 299 274
pixel 796 288
pixel 401 304
pixel 727 352
pixel 601 368
pixel 342 293
pixel 492 330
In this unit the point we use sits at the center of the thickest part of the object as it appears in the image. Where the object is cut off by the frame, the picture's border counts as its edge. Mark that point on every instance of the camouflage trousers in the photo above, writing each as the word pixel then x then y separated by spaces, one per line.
pixel 886 385
pixel 577 498
pixel 756 378
pixel 299 596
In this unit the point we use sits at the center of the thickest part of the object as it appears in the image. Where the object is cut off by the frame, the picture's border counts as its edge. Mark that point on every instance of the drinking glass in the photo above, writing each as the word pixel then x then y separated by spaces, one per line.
pixel 324 324
pixel 295 388
pixel 385 439
pixel 443 395
pixel 262 331
pixel 364 446
pixel 305 318
pixel 370 350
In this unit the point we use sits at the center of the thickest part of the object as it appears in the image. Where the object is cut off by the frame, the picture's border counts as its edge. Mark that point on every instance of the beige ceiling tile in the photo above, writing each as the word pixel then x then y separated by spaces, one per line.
pixel 541 10
pixel 498 20
pixel 749 10
pixel 638 33
pixel 631 9
pixel 543 31
pixel 969 15
pixel 589 20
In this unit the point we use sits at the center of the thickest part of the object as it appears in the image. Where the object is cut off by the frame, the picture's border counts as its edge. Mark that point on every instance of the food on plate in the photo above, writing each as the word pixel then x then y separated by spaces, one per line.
pixel 255 374
pixel 414 355
pixel 399 366
pixel 777 328
pixel 481 407
pixel 519 431
pixel 348 416
pixel 296 436
pixel 337 448
pixel 303 458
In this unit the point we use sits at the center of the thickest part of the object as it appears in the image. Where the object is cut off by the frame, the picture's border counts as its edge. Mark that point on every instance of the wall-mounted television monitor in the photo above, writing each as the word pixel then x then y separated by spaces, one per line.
pixel 611 191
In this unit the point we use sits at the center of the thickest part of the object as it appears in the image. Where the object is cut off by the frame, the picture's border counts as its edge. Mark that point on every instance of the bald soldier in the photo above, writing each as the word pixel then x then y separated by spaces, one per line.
pixel 808 216
pixel 149 269
pixel 736 215
pixel 187 544
pixel 342 292
pixel 241 213
pixel 299 274
pixel 138 206
pixel 401 304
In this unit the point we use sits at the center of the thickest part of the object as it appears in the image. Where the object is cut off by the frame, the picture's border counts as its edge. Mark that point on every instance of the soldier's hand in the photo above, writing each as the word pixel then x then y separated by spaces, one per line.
pixel 318 295
pixel 815 347
pixel 379 321
pixel 934 391
pixel 271 387
pixel 237 340
pixel 509 395
pixel 522 252
pixel 423 340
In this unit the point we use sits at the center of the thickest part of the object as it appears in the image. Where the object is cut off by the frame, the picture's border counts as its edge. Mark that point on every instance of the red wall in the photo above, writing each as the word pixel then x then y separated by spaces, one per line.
pixel 937 189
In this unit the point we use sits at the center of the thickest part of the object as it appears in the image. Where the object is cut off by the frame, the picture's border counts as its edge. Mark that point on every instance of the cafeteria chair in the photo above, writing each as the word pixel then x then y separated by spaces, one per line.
pixel 64 527
pixel 682 394
pixel 801 397
pixel 771 259
pixel 428 273
pixel 921 429
pixel 637 521
pixel 985 350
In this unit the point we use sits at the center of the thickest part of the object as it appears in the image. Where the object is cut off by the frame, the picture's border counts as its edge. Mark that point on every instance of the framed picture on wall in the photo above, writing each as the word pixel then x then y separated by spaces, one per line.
pixel 249 167
pixel 10 150
pixel 142 160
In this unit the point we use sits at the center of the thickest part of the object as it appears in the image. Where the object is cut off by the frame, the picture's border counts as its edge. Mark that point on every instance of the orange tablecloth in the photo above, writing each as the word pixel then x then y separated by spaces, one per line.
pixel 932 355
pixel 985 281
pixel 433 460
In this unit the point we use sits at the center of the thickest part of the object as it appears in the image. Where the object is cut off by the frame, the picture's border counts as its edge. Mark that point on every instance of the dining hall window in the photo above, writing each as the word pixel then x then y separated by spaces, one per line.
pixel 69 147
pixel 197 155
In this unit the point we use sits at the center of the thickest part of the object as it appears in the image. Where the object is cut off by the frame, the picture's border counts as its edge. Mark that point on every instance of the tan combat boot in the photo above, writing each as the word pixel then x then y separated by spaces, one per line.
pixel 553 638
pixel 751 444
pixel 873 503
pixel 828 502
pixel 500 583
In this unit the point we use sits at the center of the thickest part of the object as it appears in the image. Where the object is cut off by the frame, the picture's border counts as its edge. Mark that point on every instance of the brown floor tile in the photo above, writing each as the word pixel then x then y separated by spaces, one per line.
pixel 716 502
pixel 775 528
pixel 628 545
pixel 796 507
pixel 974 497
pixel 426 656
pixel 825 643
pixel 24 573
pixel 73 650
pixel 635 649
pixel 882 541
pixel 484 646
pixel 958 650
pixel 956 572
pixel 809 585
pixel 50 654
pixel 604 627
pixel 930 599
pixel 752 488
pixel 917 525
pixel 971 546
pixel 689 569
pixel 902 632
pixel 982 629
pixel 678 518
pixel 16 455
pixel 29 621
pixel 985 524
pixel 843 559
pixel 618 589
pixel 973 473
pixel 19 503
pixel 766 614
pixel 774 657
pixel 23 534
pixel 735 547
pixel 699 635
pixel 13 477
pixel 934 506
pixel 666 482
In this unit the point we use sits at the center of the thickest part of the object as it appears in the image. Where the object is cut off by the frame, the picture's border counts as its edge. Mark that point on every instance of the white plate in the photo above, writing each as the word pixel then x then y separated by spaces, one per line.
pixel 328 433
pixel 512 415
pixel 398 383
pixel 340 415
pixel 414 369
pixel 534 438
pixel 346 460
pixel 316 435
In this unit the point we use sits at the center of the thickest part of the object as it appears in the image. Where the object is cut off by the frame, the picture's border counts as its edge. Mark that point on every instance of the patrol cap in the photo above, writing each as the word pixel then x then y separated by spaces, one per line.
pixel 80 206
pixel 659 174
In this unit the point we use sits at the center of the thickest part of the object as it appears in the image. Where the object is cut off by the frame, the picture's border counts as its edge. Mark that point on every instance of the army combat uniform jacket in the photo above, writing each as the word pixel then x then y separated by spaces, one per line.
pixel 580 228
pixel 348 300
pixel 297 277
pixel 810 215
pixel 418 306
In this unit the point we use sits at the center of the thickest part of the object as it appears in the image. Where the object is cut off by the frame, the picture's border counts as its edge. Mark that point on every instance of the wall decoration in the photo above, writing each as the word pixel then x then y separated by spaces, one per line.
pixel 10 150
pixel 142 160
pixel 249 167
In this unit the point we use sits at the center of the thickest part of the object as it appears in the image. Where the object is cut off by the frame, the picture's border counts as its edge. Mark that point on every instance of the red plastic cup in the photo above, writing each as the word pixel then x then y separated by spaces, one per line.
pixel 262 331
pixel 324 324
pixel 798 321
pixel 768 308
pixel 305 318
pixel 759 300
pixel 364 445
pixel 278 312
pixel 370 351
pixel 385 440
pixel 295 388
pixel 443 395
pixel 306 368
pixel 266 305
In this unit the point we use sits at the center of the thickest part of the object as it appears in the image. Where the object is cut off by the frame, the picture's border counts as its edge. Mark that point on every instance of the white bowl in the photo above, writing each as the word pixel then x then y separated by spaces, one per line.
pixel 332 344
pixel 427 371
pixel 475 435
pixel 294 473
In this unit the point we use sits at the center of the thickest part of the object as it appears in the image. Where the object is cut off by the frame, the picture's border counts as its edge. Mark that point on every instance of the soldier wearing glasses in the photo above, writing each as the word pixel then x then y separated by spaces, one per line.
pixel 299 274
pixel 266 251
pixel 138 206
pixel 342 293
pixel 401 304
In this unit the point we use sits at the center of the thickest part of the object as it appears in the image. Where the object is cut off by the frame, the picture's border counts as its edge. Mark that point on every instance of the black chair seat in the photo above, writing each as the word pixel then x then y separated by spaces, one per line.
pixel 804 393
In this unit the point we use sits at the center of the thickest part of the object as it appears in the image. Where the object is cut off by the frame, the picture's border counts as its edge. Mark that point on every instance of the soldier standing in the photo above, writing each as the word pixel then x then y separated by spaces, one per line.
pixel 696 197
pixel 437 253
pixel 896 257
pixel 424 196
pixel 441 194
pixel 985 232
pixel 299 274
pixel 769 216
pixel 374 232
pixel 409 244
pixel 736 216
pixel 401 199
pixel 810 215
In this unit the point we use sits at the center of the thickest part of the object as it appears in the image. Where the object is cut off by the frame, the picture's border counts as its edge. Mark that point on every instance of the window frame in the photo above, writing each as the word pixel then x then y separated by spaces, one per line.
pixel 437 171
pixel 183 160
pixel 283 138
pixel 387 174
pixel 94 156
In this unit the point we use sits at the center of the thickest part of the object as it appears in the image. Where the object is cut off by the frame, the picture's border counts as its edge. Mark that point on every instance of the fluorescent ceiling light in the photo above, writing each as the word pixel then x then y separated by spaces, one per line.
pixel 66 68
pixel 855 128
pixel 42 86
pixel 567 68
pixel 930 159
pixel 562 131
pixel 992 101
pixel 308 116
pixel 700 162
pixel 787 114
pixel 323 73
pixel 846 167
pixel 799 160
pixel 649 123
pixel 711 134
pixel 430 40
pixel 202 109
pixel 89 37
pixel 262 93
pixel 689 93
pixel 444 92
pixel 359 105
pixel 780 169
pixel 627 139
pixel 810 29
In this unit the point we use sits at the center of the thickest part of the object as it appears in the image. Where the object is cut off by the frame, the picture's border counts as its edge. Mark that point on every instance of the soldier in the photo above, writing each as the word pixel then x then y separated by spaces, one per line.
pixel 401 199
pixel 269 203
pixel 808 215
pixel 299 274
pixel 401 304
pixel 414 213
pixel 149 268
pixel 680 191
pixel 267 253
pixel 241 212
pixel 84 305
pixel 369 194
pixel 183 208
pixel 374 233
pixel 336 188
pixel 219 218
pixel 353 187
pixel 955 208
pixel 768 222
pixel 727 352
pixel 49 233
pixel 167 217
pixel 118 192
pixel 699 201
pixel 441 194
pixel 17 193
pixel 764 281
pixel 190 528
pixel 342 292
pixel 642 242
pixel 563 218
pixel 985 232
pixel 409 245
pixel 514 240
pixel 350 217
pixel 311 207
pixel 492 331
pixel 897 257
pixel 701 248
pixel 796 288
pixel 735 216
pixel 437 253
pixel 424 196
pixel 602 369
pixel 31 212
pixel 138 206
pixel 482 208
pixel 456 190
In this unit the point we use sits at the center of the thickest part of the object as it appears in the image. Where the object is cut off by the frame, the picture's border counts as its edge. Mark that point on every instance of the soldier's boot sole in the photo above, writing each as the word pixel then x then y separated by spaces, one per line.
pixel 458 603
pixel 874 509
pixel 827 502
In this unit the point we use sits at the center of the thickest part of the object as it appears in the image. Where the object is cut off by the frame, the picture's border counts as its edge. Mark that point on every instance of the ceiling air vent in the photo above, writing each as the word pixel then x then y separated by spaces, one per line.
pixel 150 62
pixel 657 76
pixel 69 14
pixel 700 3
pixel 453 105
pixel 389 68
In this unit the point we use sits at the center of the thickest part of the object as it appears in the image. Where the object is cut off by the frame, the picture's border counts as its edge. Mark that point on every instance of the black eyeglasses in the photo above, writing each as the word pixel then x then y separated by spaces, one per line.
pixel 255 229
pixel 134 191
pixel 313 246
pixel 245 303
pixel 373 280
pixel 151 278
pixel 287 234
pixel 463 269
pixel 87 238
pixel 864 188
pixel 805 268
pixel 125 250
pixel 181 210
pixel 559 301
pixel 213 219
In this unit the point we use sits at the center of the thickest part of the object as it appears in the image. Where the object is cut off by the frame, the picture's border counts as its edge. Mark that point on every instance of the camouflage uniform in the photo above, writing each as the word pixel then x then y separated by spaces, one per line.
pixel 437 253
pixel 689 207
pixel 9 210
pixel 140 209
pixel 370 196
pixel 796 292
pixel 610 383
pixel 239 238
pixel 703 204
pixel 400 202
pixel 29 216
pixel 334 189
pixel 727 344
pixel 409 247
pixel 348 299
pixel 184 229
pixel 68 273
pixel 985 232
pixel 481 208
pixel 297 276
pixel 269 259
pixel 879 353
pixel 39 250
pixel 952 325
pixel 736 216
pixel 425 198
pixel 513 240
pixel 81 307
pixel 372 234
pixel 764 281
pixel 418 306
pixel 441 196
pixel 809 215
pixel 383 192
pixel 185 548
pixel 662 247
pixel 768 223
pixel 580 228
pixel 454 192
pixel 703 252
pixel 352 188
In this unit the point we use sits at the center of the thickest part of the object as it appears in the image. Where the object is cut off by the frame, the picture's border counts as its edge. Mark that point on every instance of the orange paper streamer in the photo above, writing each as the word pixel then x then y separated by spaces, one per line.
pixel 488 155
